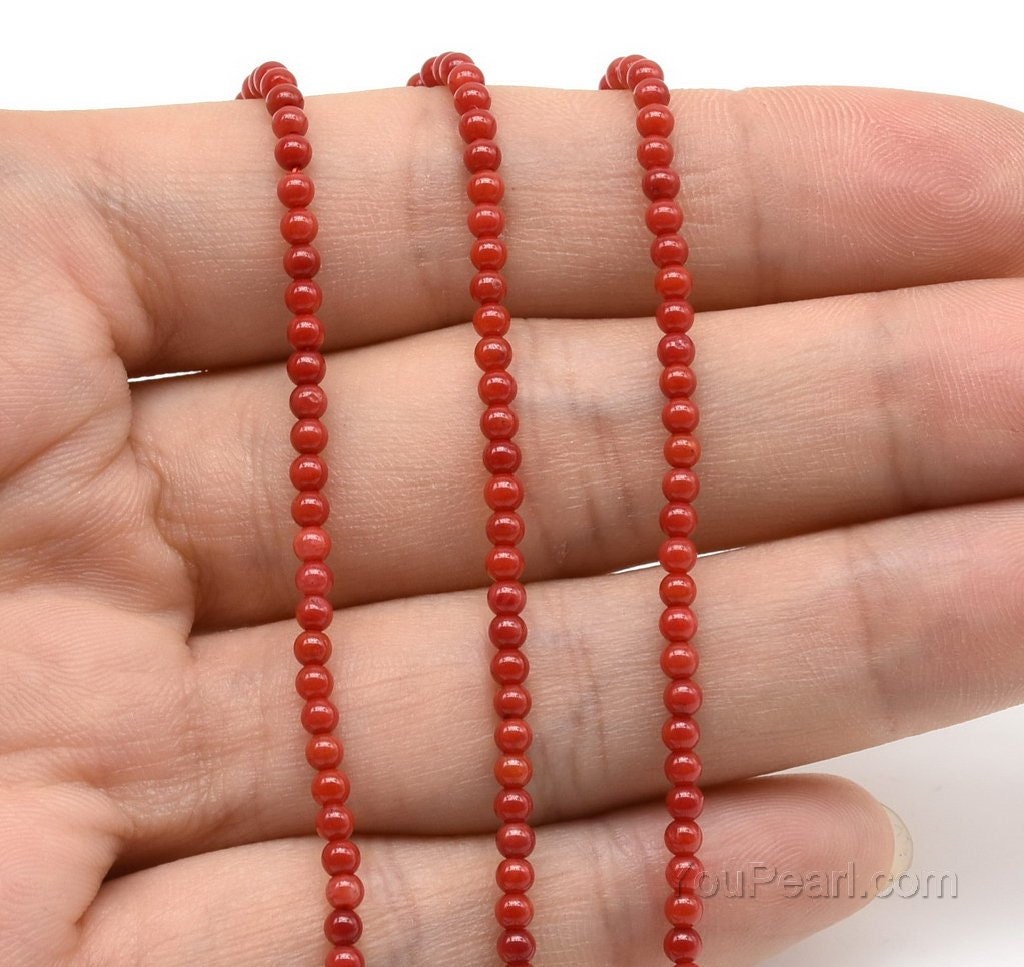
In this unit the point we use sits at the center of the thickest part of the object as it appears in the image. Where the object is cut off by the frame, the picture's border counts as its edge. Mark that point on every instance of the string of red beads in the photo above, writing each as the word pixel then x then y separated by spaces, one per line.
pixel 503 494
pixel 661 183
pixel 310 509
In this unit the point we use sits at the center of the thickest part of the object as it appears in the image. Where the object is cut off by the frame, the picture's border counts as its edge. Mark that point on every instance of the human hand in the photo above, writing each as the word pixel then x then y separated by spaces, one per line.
pixel 863 448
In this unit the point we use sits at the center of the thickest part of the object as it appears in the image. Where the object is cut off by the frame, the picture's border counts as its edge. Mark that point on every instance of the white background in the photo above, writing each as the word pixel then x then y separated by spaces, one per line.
pixel 960 790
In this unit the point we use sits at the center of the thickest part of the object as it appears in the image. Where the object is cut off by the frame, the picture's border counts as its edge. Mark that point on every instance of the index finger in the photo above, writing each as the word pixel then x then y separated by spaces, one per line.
pixel 789 193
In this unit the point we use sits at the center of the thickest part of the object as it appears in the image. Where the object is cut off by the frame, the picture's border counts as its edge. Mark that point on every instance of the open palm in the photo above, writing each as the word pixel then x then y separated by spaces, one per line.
pixel 862 448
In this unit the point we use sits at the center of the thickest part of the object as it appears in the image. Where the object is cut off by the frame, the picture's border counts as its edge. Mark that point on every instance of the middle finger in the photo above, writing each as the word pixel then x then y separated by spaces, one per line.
pixel 817 414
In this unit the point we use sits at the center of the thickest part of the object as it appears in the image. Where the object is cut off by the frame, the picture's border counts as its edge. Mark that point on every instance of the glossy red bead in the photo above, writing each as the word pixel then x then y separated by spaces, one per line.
pixel 340 856
pixel 682 697
pixel 678 381
pixel 513 910
pixel 497 386
pixel 308 472
pixel 314 681
pixel 641 70
pixel 489 253
pixel 651 91
pixel 661 182
pixel 655 152
pixel 345 890
pixel 680 485
pixel 680 415
pixel 310 508
pixel 268 79
pixel 679 660
pixel 283 95
pixel 655 120
pixel 515 840
pixel 675 349
pixel 491 320
pixel 513 736
pixel 314 613
pixel 485 187
pixel 488 286
pixel 678 520
pixel 503 492
pixel 515 875
pixel 516 947
pixel 335 821
pixel 664 217
pixel 512 702
pixel 305 366
pixel 486 219
pixel 302 261
pixel 683 909
pixel 319 716
pixel 293 152
pixel 673 282
pixel 505 563
pixel 344 956
pixel 477 123
pixel 669 250
pixel 507 631
pixel 329 786
pixel 513 771
pixel 680 768
pixel 677 589
pixel 472 96
pixel 505 527
pixel 680 733
pixel 502 456
pixel 685 801
pixel 343 926
pixel 509 666
pixel 499 422
pixel 683 944
pixel 312 648
pixel 289 120
pixel 678 624
pixel 481 155
pixel 312 544
pixel 295 190
pixel 313 578
pixel 308 401
pixel 303 296
pixel 493 353
pixel 682 450
pixel 466 73
pixel 674 315
pixel 513 805
pixel 299 226
pixel 309 435
pixel 506 597
pixel 677 554
pixel 306 332
pixel 620 69
pixel 324 751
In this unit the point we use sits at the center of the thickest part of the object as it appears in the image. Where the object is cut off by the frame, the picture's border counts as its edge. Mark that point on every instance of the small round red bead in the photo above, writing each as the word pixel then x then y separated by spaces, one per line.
pixel 503 491
pixel 330 786
pixel 679 661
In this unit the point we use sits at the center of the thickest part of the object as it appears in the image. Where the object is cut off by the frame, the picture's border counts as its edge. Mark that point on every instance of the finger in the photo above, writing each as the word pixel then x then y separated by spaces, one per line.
pixel 790 194
pixel 811 648
pixel 81 842
pixel 599 895
pixel 856 408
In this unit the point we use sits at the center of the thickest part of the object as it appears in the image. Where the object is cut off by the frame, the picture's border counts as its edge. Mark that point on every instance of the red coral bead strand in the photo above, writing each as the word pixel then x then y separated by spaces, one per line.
pixel 275 85
pixel 661 183
pixel 503 494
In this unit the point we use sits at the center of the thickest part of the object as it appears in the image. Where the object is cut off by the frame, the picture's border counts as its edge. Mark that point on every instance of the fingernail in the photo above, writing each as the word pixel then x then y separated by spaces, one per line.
pixel 903 845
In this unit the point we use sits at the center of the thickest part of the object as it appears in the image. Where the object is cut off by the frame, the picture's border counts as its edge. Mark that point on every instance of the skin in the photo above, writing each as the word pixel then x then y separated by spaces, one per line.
pixel 857 256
